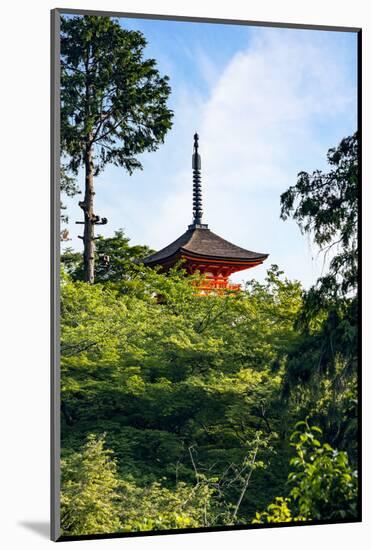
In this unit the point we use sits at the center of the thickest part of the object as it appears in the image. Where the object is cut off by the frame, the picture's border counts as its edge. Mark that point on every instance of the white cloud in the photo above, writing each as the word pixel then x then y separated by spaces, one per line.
pixel 260 126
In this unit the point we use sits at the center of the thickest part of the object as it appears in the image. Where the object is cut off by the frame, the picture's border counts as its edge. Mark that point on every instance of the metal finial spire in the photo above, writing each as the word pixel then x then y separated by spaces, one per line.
pixel 197 195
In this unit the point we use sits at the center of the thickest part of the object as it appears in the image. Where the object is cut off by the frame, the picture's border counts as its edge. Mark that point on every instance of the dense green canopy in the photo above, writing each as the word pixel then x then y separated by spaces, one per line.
pixel 181 410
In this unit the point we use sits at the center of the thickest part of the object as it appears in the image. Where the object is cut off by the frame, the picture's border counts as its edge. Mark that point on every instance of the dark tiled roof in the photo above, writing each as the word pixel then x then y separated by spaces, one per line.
pixel 205 243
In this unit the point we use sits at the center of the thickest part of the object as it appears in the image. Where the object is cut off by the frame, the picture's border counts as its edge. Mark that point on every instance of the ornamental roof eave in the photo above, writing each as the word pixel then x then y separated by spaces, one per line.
pixel 204 244
pixel 216 258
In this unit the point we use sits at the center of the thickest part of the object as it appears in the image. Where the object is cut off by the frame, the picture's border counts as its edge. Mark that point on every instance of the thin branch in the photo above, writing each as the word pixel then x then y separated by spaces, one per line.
pixel 193 463
pixel 245 486
pixel 71 68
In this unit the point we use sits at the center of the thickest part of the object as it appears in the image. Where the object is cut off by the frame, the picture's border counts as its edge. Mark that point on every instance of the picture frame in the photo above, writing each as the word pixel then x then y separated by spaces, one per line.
pixel 56 262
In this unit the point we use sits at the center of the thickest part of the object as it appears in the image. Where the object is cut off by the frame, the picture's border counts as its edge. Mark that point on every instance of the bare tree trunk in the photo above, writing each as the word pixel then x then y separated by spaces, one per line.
pixel 245 486
pixel 88 203
pixel 89 245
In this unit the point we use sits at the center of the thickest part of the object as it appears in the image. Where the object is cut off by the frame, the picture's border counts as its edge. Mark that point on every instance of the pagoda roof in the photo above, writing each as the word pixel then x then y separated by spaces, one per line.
pixel 203 243
pixel 198 242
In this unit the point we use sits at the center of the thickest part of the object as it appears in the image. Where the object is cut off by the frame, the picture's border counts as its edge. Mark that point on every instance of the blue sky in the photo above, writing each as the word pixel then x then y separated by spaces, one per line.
pixel 267 103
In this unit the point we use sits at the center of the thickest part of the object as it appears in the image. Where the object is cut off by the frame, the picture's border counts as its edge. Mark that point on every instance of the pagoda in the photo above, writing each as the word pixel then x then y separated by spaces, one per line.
pixel 202 250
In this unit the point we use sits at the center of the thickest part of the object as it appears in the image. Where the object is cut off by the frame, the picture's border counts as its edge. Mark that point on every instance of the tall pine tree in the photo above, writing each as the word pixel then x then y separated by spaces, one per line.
pixel 113 106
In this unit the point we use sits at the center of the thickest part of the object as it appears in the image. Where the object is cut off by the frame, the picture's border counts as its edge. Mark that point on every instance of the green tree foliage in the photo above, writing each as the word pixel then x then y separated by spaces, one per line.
pixel 113 105
pixel 183 373
pixel 115 260
pixel 89 488
pixel 325 205
pixel 324 484
pixel 279 511
pixel 189 392
pixel 156 507
pixel 321 372
pixel 95 500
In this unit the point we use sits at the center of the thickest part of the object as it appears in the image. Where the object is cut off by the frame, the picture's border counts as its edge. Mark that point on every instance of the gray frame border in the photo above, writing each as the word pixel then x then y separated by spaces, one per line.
pixel 55 257
pixel 194 19
pixel 55 277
